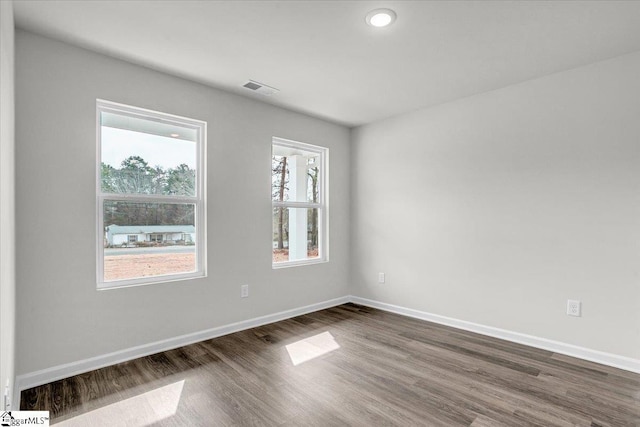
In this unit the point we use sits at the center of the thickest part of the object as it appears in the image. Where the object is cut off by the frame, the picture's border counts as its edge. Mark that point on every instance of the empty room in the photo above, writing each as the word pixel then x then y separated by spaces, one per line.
pixel 320 213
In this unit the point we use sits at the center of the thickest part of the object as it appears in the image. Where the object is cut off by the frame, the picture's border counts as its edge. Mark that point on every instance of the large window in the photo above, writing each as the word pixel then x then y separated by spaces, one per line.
pixel 299 199
pixel 150 196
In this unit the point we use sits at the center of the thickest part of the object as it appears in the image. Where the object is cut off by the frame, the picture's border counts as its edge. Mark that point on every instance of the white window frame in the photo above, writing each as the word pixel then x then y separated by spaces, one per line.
pixel 322 205
pixel 198 200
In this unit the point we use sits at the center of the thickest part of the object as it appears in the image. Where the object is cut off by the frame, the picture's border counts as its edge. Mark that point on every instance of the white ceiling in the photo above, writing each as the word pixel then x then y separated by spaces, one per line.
pixel 328 63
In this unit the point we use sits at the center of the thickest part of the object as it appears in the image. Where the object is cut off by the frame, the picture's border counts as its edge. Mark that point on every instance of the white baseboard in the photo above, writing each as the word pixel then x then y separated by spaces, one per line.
pixel 45 376
pixel 609 359
pixel 55 373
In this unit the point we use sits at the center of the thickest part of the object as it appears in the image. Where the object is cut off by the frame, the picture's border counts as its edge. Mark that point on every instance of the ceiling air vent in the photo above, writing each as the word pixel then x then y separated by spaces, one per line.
pixel 260 88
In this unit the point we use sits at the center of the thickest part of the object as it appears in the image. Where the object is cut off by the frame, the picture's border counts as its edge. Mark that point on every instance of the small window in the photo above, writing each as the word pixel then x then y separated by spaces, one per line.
pixel 157 238
pixel 150 194
pixel 299 202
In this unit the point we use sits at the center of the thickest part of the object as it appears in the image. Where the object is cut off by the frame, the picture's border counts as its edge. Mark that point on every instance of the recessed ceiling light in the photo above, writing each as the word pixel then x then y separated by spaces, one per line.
pixel 174 135
pixel 381 17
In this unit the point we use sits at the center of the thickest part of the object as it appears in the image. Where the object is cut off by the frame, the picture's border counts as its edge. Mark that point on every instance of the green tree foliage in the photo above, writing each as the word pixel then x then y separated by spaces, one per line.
pixel 134 213
pixel 181 181
pixel 135 176
pixel 107 172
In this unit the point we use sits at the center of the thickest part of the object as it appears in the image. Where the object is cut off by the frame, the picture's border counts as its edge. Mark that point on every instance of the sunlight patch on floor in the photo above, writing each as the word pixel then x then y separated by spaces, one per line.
pixel 312 347
pixel 142 410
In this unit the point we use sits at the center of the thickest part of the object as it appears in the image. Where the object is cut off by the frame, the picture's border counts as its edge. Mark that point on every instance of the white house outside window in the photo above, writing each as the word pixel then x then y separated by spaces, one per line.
pixel 150 196
pixel 299 199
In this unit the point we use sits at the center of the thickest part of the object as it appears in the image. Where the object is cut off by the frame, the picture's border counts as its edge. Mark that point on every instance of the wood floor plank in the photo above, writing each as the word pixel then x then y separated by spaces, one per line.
pixel 478 386
pixel 36 399
pixel 356 366
pixel 71 395
pixel 475 354
pixel 57 401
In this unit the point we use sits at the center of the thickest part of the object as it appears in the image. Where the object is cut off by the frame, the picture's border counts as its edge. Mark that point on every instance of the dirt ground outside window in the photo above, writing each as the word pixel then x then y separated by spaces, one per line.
pixel 118 267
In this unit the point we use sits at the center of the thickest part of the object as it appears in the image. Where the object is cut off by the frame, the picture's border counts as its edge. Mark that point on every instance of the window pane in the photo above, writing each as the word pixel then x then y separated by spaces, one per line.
pixel 313 189
pixel 143 156
pixel 294 176
pixel 148 239
pixel 295 234
pixel 279 178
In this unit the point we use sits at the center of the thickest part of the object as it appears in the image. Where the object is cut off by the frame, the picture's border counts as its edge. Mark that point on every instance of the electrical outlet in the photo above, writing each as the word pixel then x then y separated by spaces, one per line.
pixel 244 291
pixel 574 308
pixel 380 277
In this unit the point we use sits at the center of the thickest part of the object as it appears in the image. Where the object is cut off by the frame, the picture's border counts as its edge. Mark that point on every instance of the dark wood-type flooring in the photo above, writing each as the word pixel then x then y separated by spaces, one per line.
pixel 385 369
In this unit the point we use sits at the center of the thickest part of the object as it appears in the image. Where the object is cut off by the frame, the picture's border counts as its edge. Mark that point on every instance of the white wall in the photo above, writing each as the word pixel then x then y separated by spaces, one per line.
pixel 497 208
pixel 61 316
pixel 7 200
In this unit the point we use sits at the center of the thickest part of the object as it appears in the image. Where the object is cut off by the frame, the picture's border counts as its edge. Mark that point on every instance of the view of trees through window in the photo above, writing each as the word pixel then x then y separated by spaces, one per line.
pixel 149 196
pixel 295 191
pixel 147 239
pixel 136 176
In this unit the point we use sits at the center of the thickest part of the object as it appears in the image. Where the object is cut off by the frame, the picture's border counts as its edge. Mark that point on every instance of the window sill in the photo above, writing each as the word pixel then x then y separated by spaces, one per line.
pixel 154 280
pixel 288 264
